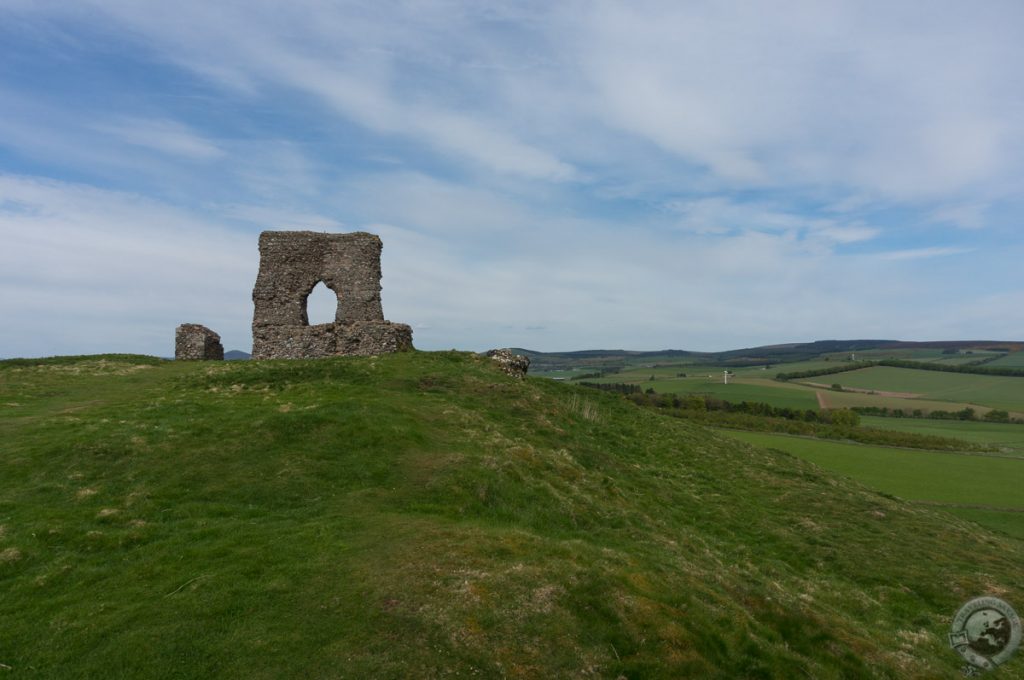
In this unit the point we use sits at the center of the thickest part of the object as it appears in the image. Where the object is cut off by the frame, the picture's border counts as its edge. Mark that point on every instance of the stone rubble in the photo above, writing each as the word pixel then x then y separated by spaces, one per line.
pixel 515 365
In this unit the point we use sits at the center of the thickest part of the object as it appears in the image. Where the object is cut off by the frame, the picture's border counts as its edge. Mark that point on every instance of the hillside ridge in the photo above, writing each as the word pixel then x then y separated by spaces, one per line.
pixel 424 513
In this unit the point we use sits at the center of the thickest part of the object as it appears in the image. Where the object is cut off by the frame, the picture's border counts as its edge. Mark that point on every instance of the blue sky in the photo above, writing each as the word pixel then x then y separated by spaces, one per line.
pixel 570 175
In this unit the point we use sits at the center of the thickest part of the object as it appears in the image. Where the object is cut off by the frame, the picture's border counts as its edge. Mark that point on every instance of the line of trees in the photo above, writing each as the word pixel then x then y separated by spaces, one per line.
pixel 839 424
pixel 705 402
pixel 984 360
pixel 974 368
pixel 967 413
pixel 953 368
pixel 621 388
pixel 813 373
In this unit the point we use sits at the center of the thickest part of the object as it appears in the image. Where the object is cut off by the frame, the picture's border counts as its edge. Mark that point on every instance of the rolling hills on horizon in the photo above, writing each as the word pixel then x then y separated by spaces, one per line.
pixel 778 353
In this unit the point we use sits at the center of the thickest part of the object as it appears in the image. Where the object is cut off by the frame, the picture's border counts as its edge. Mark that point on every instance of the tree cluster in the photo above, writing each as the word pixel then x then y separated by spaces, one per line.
pixel 840 424
pixel 705 402
pixel 967 413
pixel 813 373
pixel 973 367
pixel 621 388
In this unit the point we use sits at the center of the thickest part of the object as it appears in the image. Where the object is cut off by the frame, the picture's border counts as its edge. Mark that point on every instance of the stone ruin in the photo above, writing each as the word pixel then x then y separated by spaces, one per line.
pixel 515 365
pixel 193 341
pixel 292 263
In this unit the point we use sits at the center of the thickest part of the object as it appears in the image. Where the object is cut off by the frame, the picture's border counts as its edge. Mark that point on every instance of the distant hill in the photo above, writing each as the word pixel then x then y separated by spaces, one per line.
pixel 236 354
pixel 789 352
pixel 424 515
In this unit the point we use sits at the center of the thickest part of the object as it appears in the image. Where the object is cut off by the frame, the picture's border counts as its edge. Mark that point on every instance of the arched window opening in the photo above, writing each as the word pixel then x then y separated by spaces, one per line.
pixel 321 305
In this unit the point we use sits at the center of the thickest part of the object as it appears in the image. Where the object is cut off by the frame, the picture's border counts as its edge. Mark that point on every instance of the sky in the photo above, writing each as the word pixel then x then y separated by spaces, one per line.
pixel 551 175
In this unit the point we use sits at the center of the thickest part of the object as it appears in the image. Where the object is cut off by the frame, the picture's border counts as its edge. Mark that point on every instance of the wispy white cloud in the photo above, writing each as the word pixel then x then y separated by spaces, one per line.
pixel 102 270
pixel 874 96
pixel 922 253
pixel 561 175
pixel 166 136
pixel 965 215
pixel 436 206
pixel 352 69
pixel 268 217
pixel 722 215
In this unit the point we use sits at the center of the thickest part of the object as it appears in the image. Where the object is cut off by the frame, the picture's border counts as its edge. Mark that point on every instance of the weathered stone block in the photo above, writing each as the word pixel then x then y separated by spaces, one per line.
pixel 193 341
pixel 516 365
pixel 373 337
pixel 292 263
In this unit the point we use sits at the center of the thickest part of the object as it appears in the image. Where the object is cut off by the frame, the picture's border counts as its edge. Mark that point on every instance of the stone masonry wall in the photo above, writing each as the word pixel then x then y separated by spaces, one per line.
pixel 292 263
pixel 193 341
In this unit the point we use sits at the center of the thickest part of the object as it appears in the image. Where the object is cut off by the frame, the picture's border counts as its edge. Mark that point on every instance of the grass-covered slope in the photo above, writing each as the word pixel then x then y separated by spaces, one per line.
pixel 423 515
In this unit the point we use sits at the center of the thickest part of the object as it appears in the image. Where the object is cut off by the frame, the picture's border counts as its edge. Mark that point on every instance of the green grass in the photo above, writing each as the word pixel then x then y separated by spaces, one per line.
pixel 1007 522
pixel 986 390
pixel 959 359
pixel 424 515
pixel 567 374
pixel 1011 360
pixel 943 478
pixel 1010 437
pixel 809 365
pixel 638 374
pixel 737 392
pixel 910 354
pixel 749 384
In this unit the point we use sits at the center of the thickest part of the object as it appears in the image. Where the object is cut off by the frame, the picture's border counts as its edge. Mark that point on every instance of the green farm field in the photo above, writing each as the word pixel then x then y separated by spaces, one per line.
pixel 994 485
pixel 1011 360
pixel 910 354
pixel 959 359
pixel 746 384
pixel 811 365
pixel 736 392
pixel 562 374
pixel 1010 437
pixel 985 390
pixel 642 373
pixel 638 374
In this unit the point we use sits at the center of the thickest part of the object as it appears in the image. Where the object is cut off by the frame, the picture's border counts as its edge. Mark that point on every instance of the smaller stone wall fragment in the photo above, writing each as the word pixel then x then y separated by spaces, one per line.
pixel 515 365
pixel 193 341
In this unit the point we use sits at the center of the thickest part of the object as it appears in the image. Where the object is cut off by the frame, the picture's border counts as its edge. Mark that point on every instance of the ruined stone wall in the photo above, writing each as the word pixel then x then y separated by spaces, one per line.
pixel 193 341
pixel 292 263
pixel 516 365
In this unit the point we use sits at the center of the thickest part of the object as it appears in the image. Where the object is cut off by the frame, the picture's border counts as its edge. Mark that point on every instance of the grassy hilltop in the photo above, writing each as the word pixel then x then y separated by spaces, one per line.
pixel 423 515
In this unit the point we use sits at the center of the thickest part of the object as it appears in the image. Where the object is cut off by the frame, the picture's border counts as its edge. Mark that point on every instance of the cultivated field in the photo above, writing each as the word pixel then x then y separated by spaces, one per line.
pixel 737 391
pixel 990 488
pixel 895 388
pixel 984 390
pixel 987 489
pixel 926 354
pixel 834 399
pixel 1009 437
pixel 1012 360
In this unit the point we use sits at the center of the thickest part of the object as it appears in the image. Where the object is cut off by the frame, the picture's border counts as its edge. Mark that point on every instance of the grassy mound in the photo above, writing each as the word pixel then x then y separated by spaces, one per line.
pixel 423 515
